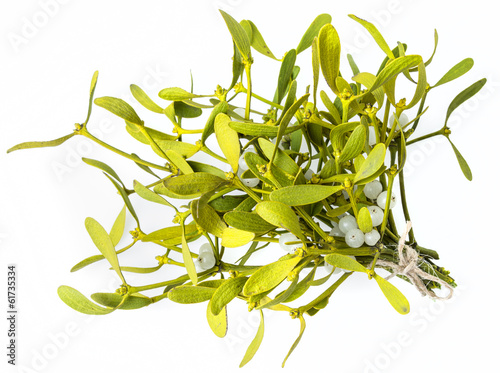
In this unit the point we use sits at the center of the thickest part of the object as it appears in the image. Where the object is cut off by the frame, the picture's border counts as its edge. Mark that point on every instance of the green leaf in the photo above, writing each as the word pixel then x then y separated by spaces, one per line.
pixel 456 71
pixel 239 35
pixel 354 145
pixel 298 195
pixel 187 258
pixel 269 276
pixel 238 67
pixel 125 198
pixel 144 99
pixel 221 107
pixel 313 31
pixel 464 96
pixel 462 162
pixel 120 108
pixel 139 136
pixel 113 300
pixel 255 344
pixel 171 234
pixel 207 218
pixel 93 84
pixel 329 54
pixel 258 42
pixel 41 144
pixel 344 262
pixel 391 70
pixel 184 110
pixel 188 294
pixel 281 160
pixel 421 86
pixel 287 117
pixel 226 202
pixel 301 287
pixel 302 328
pixel 338 133
pixel 280 215
pixel 193 185
pixel 202 167
pixel 79 302
pixel 368 80
pixel 178 94
pixel 285 73
pixel 104 167
pixel 255 129
pixel 183 148
pixel 331 107
pixel 218 323
pixel 393 295
pixel 118 227
pixel 372 164
pixel 339 211
pixel 379 39
pixel 228 140
pixel 365 220
pixel 141 269
pixel 233 237
pixel 103 242
pixel 178 161
pixel 247 221
pixel 149 195
pixel 226 293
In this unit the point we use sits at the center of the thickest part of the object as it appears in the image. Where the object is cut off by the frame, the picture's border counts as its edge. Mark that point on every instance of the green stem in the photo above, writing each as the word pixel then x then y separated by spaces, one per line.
pixel 304 215
pixel 326 294
pixel 387 203
pixel 428 136
pixel 403 203
pixel 386 120
pixel 249 90
pixel 246 189
pixel 421 107
pixel 88 135
pixel 265 239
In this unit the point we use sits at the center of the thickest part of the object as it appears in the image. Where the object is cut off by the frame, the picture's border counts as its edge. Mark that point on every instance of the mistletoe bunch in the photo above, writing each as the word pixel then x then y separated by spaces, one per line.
pixel 312 173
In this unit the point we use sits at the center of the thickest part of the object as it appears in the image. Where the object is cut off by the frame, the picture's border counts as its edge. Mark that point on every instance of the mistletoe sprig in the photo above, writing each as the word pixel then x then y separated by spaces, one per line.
pixel 310 174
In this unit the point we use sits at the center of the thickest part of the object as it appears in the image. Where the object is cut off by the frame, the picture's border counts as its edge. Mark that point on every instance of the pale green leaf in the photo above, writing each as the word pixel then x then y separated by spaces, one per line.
pixel 113 300
pixel 207 218
pixel 104 167
pixel 144 99
pixel 228 140
pixel 232 237
pixel 79 302
pixel 193 185
pixel 258 42
pixel 120 108
pixel 103 242
pixel 178 94
pixel 149 195
pixel 462 162
pixel 188 294
pixel 313 31
pixel 285 73
pixel 255 344
pixel 42 144
pixel 187 258
pixel 329 54
pixel 239 35
pixel 298 195
pixel 226 293
pixel 354 145
pixel 393 295
pixel 280 215
pixel 269 276
pixel 372 164
pixel 365 220
pixel 379 39
pixel 456 71
pixel 302 328
pixel 247 221
pixel 464 96
pixel 218 323
pixel 118 227
pixel 345 262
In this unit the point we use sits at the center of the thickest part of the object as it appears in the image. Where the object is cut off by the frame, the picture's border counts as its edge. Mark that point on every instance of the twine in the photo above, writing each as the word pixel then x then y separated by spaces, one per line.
pixel 408 266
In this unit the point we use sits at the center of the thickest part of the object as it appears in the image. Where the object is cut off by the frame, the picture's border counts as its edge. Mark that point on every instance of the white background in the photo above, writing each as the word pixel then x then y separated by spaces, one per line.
pixel 46 194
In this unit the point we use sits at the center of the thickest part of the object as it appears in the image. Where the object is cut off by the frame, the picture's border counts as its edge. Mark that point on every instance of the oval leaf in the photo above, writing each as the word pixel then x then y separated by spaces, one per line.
pixel 329 54
pixel 187 294
pixel 354 145
pixel 393 295
pixel 193 185
pixel 218 323
pixel 280 215
pixel 255 344
pixel 226 293
pixel 144 99
pixel 232 237
pixel 40 144
pixel 79 302
pixel 372 163
pixel 228 140
pixel 456 71
pixel 269 276
pixel 120 108
pixel 365 220
pixel 344 262
pixel 313 31
pixel 297 195
pixel 247 221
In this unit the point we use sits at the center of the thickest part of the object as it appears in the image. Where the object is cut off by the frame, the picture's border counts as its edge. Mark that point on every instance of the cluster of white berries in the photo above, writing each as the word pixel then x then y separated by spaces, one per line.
pixel 348 226
pixel 206 258
pixel 242 167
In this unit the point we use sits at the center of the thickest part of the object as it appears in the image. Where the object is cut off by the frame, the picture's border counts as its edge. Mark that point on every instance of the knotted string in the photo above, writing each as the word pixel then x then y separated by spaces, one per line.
pixel 408 266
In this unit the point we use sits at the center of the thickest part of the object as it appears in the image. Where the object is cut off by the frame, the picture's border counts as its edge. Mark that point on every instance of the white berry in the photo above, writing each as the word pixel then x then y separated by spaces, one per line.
pixel 348 223
pixel 251 183
pixel 371 238
pixel 403 120
pixel 382 199
pixel 377 215
pixel 336 232
pixel 289 247
pixel 355 238
pixel 206 258
pixel 373 189
pixel 372 139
